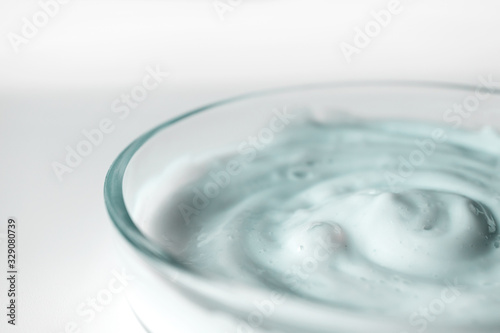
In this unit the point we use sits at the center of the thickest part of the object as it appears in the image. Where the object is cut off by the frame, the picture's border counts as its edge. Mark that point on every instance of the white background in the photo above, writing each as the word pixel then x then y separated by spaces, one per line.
pixel 65 78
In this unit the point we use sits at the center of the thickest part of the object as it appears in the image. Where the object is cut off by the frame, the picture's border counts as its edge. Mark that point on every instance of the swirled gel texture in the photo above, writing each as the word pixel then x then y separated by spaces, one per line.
pixel 380 217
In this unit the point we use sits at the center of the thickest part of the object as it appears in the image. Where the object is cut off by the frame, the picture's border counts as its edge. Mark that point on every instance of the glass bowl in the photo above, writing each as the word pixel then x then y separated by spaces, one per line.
pixel 168 296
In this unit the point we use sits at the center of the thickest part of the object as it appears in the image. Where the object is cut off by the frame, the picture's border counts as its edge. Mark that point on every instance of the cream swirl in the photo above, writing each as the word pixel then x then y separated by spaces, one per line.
pixel 374 217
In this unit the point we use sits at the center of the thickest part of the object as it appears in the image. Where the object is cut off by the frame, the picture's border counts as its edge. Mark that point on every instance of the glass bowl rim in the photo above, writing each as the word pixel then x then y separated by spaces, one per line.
pixel 113 190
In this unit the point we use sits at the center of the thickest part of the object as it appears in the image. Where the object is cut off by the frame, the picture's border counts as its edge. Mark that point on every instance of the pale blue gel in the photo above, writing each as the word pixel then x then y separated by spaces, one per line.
pixel 345 214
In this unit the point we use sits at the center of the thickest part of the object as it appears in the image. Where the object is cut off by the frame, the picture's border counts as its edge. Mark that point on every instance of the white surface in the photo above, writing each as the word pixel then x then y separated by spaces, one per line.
pixel 65 79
